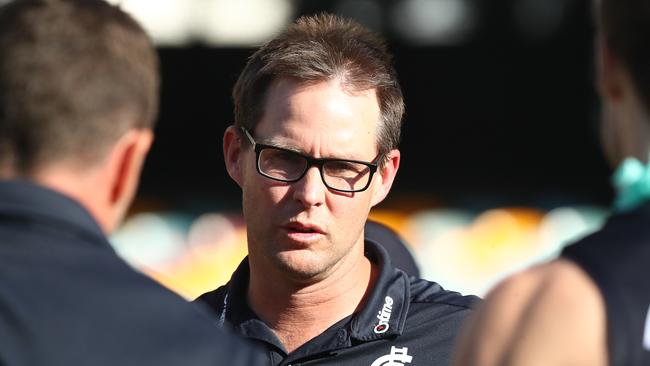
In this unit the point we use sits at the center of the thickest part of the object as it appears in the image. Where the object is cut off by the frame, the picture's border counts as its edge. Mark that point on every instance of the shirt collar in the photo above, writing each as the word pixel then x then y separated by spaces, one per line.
pixel 383 315
pixel 28 201
pixel 238 314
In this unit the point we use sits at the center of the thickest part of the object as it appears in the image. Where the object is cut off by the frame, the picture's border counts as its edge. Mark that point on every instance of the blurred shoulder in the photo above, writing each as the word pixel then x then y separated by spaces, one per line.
pixel 550 313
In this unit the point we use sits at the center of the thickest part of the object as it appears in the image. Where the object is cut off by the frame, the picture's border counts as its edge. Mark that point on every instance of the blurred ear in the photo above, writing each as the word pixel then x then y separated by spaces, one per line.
pixel 385 176
pixel 232 149
pixel 609 73
pixel 125 165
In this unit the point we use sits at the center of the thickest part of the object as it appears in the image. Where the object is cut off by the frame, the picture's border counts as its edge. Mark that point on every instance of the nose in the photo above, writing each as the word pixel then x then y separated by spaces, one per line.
pixel 310 190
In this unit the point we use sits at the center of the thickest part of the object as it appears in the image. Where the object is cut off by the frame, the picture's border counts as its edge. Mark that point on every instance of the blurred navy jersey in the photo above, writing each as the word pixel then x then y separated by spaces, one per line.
pixel 617 258
pixel 67 299
pixel 398 251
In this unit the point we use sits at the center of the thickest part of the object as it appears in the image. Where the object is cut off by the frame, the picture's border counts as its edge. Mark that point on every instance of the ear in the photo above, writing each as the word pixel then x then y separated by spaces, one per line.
pixel 609 72
pixel 386 176
pixel 125 164
pixel 232 150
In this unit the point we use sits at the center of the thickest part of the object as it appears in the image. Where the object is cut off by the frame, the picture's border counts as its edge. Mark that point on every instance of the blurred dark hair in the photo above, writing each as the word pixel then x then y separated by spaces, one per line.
pixel 75 75
pixel 625 26
pixel 321 48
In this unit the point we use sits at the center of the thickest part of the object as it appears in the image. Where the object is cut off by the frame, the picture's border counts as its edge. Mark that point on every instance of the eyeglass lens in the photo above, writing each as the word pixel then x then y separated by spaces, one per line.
pixel 336 174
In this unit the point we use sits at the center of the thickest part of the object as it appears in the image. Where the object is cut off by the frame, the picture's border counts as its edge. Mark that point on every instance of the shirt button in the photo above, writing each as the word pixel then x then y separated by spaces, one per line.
pixel 342 335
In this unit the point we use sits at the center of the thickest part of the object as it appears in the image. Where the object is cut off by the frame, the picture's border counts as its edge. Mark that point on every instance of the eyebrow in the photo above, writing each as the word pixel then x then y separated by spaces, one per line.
pixel 280 144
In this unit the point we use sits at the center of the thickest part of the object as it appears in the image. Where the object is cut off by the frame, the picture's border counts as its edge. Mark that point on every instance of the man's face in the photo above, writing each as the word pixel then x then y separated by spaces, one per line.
pixel 303 228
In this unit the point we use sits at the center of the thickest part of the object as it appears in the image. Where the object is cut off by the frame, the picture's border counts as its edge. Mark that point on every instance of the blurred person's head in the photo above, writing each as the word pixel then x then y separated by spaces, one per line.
pixel 623 56
pixel 318 49
pixel 314 146
pixel 78 98
pixel 398 251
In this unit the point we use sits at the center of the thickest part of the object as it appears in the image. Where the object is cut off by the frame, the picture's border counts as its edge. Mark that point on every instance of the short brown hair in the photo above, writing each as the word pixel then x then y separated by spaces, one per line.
pixel 75 75
pixel 321 48
pixel 625 26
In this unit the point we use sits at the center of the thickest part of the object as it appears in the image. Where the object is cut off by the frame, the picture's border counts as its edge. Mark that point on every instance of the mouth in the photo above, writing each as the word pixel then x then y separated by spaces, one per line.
pixel 303 228
pixel 303 232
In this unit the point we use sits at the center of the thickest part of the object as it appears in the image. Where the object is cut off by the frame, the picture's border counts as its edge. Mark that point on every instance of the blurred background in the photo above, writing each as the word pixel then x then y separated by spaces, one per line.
pixel 501 165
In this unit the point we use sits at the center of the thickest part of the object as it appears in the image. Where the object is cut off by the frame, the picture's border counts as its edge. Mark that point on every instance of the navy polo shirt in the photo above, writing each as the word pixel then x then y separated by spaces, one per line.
pixel 406 321
pixel 66 298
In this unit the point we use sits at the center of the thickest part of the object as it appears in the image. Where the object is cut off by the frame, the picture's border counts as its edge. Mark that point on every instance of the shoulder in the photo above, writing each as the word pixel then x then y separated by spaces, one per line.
pixel 549 314
pixel 214 300
pixel 111 313
pixel 431 306
pixel 427 292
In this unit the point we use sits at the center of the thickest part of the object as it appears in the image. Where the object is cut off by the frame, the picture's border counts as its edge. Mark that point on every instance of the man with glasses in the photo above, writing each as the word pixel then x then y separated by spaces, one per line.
pixel 318 114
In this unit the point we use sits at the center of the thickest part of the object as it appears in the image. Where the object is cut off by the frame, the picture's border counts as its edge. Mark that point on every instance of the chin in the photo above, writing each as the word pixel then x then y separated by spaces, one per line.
pixel 301 264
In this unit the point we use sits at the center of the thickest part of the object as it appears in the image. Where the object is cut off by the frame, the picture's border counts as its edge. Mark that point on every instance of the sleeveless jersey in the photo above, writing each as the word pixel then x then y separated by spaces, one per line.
pixel 617 258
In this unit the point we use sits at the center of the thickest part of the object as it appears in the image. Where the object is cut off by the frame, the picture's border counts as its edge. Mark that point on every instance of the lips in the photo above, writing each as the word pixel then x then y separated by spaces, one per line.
pixel 304 228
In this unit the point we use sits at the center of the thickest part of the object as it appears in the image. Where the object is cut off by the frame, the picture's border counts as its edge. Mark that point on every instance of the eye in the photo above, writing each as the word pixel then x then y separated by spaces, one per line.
pixel 282 156
pixel 345 169
pixel 281 164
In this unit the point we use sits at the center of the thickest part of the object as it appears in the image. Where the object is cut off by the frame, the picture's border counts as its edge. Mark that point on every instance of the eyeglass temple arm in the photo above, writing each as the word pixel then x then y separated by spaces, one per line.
pixel 248 135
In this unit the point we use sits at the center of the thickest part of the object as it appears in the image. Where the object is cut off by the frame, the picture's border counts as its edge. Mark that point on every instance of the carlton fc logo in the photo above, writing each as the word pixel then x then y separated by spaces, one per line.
pixel 397 357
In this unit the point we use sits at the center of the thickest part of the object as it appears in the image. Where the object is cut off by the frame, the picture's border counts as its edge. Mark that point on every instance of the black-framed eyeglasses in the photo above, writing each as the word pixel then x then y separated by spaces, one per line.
pixel 286 165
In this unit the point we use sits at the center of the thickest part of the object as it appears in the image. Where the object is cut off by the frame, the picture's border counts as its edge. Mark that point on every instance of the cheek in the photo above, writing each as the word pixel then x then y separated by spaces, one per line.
pixel 349 210
pixel 261 196
pixel 349 217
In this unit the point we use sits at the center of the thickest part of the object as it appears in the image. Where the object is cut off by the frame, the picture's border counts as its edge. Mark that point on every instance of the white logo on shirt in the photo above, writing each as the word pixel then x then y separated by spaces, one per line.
pixel 397 357
pixel 384 315
pixel 646 336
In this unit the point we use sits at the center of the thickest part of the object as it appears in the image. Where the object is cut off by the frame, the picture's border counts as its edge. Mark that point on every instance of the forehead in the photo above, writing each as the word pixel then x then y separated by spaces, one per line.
pixel 320 118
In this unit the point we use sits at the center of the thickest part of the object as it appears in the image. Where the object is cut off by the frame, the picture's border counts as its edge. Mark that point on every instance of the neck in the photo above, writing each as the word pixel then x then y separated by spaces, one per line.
pixel 638 143
pixel 626 131
pixel 7 172
pixel 298 312
pixel 86 188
